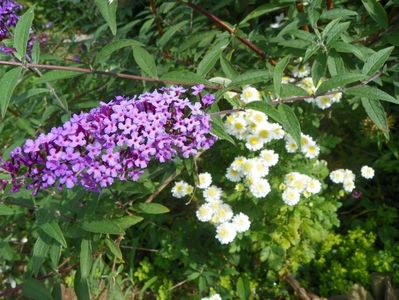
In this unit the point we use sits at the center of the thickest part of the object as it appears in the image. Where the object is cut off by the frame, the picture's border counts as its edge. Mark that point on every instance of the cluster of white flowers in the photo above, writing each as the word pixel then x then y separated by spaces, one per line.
pixel 252 171
pixel 213 297
pixel 253 127
pixel 308 146
pixel 297 184
pixel 367 172
pixel 344 176
pixel 300 75
pixel 214 210
pixel 182 189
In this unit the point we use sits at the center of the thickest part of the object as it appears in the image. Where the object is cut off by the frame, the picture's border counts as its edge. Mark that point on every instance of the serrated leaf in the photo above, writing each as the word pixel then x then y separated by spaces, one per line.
pixel 266 108
pixel 210 58
pixel 56 75
pixel 114 249
pixel 34 289
pixel 250 77
pixel 278 74
pixel 151 208
pixel 372 93
pixel 261 10
pixel 228 68
pixel 376 12
pixel 376 61
pixel 168 34
pixel 339 80
pixel 7 86
pixel 53 230
pixel 376 112
pixel 108 11
pixel 104 226
pixel 145 60
pixel 107 50
pixel 21 33
pixel 219 130
pixel 290 122
pixel 319 68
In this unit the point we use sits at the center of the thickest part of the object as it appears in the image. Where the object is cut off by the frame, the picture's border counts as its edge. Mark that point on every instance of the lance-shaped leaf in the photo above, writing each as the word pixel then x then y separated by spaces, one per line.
pixel 21 34
pixel 7 85
pixel 145 60
pixel 108 11
pixel 376 112
pixel 376 61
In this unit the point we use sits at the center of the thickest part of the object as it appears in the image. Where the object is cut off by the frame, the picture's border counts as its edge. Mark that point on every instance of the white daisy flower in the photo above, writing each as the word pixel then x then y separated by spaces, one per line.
pixel 291 196
pixel 301 71
pixel 367 172
pixel 255 116
pixel 181 189
pixel 290 144
pixel 226 233
pixel 324 102
pixel 313 186
pixel 222 214
pixel 205 212
pixel 238 163
pixel 250 94
pixel 259 188
pixel 260 169
pixel 215 297
pixel 349 175
pixel 254 143
pixel 310 150
pixel 349 185
pixel 241 222
pixel 204 180
pixel 337 176
pixel 268 157
pixel 249 166
pixel 233 175
pixel 212 193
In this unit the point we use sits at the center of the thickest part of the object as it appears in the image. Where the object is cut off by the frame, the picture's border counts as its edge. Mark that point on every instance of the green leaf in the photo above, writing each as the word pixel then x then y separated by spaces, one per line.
pixel 107 50
pixel 146 61
pixel 319 68
pixel 21 33
pixel 146 286
pixel 104 226
pixel 290 122
pixel 250 77
pixel 376 12
pixel 339 80
pixel 40 250
pixel 183 77
pixel 266 108
pixel 151 208
pixel 85 258
pixel 228 68
pixel 56 75
pixel 310 51
pixel 376 61
pixel 108 11
pixel 6 210
pixel 168 34
pixel 81 287
pixel 210 58
pixel 243 288
pixel 53 230
pixel 278 74
pixel 357 50
pixel 334 32
pixel 262 10
pixel 376 112
pixel 128 221
pixel 336 13
pixel 219 130
pixel 7 85
pixel 114 249
pixel 288 90
pixel 34 289
pixel 372 93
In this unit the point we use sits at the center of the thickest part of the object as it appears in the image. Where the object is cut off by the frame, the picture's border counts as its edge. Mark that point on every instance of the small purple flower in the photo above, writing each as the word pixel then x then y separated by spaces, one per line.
pixel 197 89
pixel 356 194
pixel 208 99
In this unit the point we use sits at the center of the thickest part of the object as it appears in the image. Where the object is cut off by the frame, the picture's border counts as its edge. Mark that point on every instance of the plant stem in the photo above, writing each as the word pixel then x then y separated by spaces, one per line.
pixel 104 73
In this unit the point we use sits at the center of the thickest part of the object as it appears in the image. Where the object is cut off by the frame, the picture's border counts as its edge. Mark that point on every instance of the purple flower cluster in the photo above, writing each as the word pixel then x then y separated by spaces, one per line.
pixel 117 140
pixel 8 19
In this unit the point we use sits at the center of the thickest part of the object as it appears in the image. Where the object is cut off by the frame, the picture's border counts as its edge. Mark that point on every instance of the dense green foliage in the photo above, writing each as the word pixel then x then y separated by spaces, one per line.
pixel 115 243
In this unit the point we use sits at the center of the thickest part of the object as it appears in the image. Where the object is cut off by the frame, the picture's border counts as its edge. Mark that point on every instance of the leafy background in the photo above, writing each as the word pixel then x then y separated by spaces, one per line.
pixel 114 245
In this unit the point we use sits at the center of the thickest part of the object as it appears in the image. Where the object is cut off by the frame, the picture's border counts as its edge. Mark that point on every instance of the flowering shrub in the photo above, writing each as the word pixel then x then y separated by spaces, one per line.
pixel 258 159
